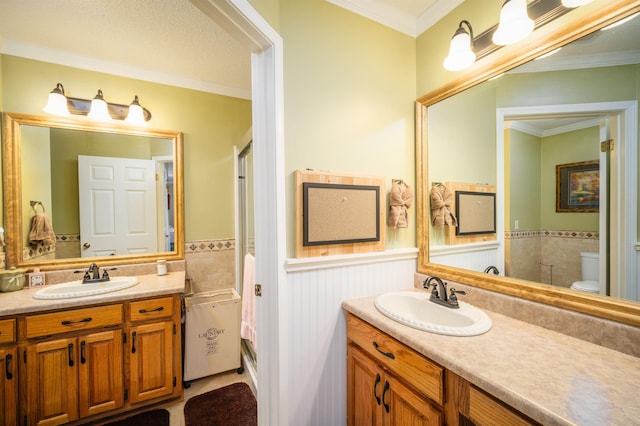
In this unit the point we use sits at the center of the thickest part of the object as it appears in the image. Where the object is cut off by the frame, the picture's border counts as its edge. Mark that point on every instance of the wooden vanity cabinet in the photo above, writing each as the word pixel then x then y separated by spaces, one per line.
pixel 81 365
pixel 389 383
pixel 468 405
pixel 75 375
pixel 150 349
pixel 8 373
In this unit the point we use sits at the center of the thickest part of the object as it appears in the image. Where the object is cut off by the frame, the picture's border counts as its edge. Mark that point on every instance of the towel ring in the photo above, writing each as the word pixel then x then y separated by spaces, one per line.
pixel 35 204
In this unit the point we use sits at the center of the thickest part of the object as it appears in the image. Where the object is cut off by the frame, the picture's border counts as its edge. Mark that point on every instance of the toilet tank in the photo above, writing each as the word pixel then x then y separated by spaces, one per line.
pixel 590 266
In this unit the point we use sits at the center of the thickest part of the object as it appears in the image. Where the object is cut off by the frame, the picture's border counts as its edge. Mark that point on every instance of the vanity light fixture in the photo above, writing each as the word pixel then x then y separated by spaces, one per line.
pixel 97 108
pixel 461 53
pixel 57 103
pixel 515 23
pixel 575 3
pixel 136 114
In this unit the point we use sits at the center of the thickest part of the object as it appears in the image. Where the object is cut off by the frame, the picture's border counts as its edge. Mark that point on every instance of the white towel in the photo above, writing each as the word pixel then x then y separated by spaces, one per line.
pixel 248 324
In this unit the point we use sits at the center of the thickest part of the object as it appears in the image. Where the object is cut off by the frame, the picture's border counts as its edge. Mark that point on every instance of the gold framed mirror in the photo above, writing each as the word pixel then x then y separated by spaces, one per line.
pixel 51 168
pixel 565 29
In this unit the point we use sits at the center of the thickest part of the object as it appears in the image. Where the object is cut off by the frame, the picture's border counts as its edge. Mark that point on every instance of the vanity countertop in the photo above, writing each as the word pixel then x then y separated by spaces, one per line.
pixel 22 301
pixel 553 378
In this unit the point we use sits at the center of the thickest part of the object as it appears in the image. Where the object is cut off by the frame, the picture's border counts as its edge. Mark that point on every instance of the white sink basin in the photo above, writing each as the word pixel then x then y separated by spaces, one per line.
pixel 414 309
pixel 77 289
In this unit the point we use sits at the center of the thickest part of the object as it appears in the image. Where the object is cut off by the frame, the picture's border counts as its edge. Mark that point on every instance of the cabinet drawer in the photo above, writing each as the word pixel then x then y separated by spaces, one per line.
pixel 151 309
pixel 486 410
pixel 421 373
pixel 73 320
pixel 7 331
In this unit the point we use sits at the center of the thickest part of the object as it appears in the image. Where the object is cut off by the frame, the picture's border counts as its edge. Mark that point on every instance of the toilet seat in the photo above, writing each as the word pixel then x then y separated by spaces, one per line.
pixel 588 286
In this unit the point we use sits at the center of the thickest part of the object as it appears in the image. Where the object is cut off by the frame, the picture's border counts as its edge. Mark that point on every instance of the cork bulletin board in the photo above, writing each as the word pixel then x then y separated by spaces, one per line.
pixel 339 214
pixel 475 210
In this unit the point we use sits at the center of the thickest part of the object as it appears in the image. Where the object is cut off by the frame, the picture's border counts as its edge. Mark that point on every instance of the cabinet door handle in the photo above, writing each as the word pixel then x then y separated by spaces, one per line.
pixel 83 358
pixel 375 388
pixel 146 311
pixel 70 349
pixel 67 322
pixel 133 342
pixel 7 366
pixel 387 354
pixel 384 392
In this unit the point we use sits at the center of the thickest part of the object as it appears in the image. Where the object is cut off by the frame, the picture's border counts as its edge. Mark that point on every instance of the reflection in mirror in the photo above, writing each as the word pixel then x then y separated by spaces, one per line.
pixel 81 190
pixel 521 129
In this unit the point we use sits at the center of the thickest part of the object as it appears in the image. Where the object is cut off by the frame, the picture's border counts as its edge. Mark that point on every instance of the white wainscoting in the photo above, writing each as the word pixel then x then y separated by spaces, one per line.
pixel 474 257
pixel 317 328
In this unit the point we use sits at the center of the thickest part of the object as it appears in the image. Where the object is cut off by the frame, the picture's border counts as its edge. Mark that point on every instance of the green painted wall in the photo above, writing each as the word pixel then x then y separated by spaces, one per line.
pixel 572 147
pixel 269 10
pixel 349 88
pixel 523 153
pixel 212 125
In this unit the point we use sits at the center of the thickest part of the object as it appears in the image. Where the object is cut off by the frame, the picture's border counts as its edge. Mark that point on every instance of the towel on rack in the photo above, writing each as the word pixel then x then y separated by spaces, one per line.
pixel 41 232
pixel 248 323
pixel 441 199
pixel 400 199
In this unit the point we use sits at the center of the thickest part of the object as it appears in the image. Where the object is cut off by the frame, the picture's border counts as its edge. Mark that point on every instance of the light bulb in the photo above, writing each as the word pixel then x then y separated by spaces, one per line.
pixel 515 23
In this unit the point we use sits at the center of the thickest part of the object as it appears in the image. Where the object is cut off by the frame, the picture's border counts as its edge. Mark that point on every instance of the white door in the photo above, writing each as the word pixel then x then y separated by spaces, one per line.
pixel 117 206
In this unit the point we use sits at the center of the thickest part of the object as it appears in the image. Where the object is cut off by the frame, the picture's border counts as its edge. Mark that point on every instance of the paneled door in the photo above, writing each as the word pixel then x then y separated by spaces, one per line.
pixel 117 199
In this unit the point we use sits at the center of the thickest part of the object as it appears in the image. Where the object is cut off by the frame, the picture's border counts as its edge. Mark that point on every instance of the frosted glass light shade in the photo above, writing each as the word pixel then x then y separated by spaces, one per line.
pixel 99 108
pixel 57 103
pixel 460 53
pixel 136 114
pixel 575 3
pixel 515 23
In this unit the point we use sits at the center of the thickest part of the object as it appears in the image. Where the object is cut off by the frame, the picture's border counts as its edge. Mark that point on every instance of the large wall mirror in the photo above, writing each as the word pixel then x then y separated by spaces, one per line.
pixel 522 131
pixel 78 191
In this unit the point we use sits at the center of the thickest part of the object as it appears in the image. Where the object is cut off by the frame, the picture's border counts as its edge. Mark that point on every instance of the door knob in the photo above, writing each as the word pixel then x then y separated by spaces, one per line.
pixel 86 245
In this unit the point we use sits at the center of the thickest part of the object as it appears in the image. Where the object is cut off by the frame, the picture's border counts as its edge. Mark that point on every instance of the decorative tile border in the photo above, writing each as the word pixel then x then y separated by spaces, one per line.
pixel 204 246
pixel 29 253
pixel 582 235
pixel 67 238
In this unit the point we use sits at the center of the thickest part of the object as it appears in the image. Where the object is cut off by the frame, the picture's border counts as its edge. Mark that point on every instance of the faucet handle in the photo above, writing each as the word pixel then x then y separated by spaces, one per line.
pixel 452 296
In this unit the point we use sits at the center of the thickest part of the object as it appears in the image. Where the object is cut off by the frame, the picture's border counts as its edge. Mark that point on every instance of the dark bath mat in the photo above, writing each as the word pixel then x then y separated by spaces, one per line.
pixel 150 418
pixel 230 405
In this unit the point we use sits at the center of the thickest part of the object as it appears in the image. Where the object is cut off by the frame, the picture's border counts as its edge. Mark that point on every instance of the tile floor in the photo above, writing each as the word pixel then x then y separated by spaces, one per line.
pixel 201 386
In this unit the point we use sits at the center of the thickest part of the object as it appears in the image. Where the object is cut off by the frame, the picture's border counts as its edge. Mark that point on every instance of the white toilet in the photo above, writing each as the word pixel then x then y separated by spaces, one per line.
pixel 590 273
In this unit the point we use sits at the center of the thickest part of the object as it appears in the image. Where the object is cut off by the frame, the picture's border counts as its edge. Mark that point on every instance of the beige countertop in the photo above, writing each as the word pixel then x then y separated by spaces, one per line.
pixel 22 301
pixel 553 378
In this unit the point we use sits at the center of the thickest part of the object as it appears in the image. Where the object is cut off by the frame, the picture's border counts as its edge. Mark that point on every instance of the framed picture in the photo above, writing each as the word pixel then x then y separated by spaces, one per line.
pixel 339 214
pixel 475 212
pixel 578 187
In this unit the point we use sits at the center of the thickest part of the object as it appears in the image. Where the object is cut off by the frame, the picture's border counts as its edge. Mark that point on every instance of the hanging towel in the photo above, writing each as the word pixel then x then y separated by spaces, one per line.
pixel 441 199
pixel 248 324
pixel 41 233
pixel 400 199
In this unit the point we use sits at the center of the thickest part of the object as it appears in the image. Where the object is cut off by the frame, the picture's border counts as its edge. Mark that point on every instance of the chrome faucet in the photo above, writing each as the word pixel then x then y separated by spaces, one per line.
pixel 492 269
pixel 92 275
pixel 439 292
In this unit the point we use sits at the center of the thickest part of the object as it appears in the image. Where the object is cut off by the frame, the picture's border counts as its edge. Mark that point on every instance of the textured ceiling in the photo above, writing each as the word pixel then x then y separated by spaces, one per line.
pixel 164 41
pixel 167 41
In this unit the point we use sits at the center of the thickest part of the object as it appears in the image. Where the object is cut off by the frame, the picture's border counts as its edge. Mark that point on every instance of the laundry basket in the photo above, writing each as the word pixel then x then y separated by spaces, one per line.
pixel 212 333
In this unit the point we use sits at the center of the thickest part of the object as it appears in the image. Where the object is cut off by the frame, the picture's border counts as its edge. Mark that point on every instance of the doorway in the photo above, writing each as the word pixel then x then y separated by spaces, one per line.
pixel 621 225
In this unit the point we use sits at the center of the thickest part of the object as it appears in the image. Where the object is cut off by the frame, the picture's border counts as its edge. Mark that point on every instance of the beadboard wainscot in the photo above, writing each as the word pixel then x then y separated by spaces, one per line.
pixel 317 350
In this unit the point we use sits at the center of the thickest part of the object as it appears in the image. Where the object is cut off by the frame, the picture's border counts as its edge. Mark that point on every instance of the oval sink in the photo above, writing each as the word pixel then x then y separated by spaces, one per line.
pixel 77 289
pixel 414 309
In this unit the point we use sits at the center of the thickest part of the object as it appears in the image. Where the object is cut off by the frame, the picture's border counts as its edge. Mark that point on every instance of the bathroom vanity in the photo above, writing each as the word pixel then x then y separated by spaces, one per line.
pixel 81 359
pixel 516 373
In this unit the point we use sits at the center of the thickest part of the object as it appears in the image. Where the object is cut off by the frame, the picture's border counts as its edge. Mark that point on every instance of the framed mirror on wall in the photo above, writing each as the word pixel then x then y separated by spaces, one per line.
pixel 515 134
pixel 78 191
